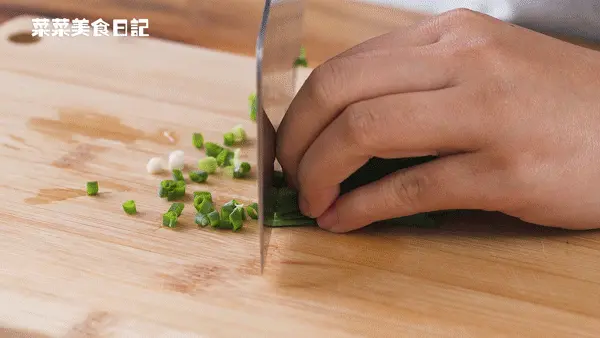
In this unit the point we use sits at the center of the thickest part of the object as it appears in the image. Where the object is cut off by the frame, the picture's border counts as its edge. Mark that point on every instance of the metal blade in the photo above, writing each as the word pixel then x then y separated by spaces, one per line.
pixel 277 48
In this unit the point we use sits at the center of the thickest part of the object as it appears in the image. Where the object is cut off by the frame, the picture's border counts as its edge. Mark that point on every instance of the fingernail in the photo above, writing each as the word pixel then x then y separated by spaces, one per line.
pixel 329 219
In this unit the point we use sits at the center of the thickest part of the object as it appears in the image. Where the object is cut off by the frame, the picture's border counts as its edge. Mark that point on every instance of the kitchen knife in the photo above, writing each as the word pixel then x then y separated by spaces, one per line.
pixel 277 47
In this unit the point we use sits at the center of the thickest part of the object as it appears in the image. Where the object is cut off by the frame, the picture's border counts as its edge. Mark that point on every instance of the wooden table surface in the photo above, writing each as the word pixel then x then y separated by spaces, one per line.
pixel 332 26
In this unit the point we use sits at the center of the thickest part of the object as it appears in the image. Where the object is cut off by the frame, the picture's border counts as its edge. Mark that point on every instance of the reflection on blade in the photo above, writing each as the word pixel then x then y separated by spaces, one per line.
pixel 277 48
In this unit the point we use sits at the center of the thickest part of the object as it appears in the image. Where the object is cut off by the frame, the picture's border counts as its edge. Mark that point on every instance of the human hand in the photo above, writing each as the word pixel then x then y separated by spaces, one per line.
pixel 513 114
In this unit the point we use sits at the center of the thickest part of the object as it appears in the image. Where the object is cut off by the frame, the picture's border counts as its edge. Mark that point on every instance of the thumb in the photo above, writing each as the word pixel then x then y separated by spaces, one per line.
pixel 451 182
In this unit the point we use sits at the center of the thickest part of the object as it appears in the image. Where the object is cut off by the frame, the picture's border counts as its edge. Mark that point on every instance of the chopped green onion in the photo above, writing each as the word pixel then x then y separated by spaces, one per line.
pixel 224 158
pixel 232 172
pixel 198 176
pixel 177 175
pixel 203 194
pixel 177 192
pixel 165 187
pixel 227 209
pixel 214 218
pixel 237 218
pixel 228 139
pixel 240 171
pixel 212 149
pixel 177 208
pixel 129 207
pixel 202 219
pixel 92 188
pixel 224 224
pixel 239 134
pixel 208 164
pixel 301 59
pixel 203 206
pixel 170 219
pixel 237 155
pixel 198 140
pixel 252 210
pixel 253 107
pixel 245 167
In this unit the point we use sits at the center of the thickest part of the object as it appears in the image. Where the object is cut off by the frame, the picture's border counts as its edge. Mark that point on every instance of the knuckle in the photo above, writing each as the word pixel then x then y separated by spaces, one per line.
pixel 326 80
pixel 360 123
pixel 457 17
pixel 407 190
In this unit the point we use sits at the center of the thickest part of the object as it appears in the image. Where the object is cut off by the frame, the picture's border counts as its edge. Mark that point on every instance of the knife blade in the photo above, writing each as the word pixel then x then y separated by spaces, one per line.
pixel 277 47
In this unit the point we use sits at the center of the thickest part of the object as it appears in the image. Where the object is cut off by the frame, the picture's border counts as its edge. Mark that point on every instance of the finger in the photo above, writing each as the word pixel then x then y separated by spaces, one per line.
pixel 419 34
pixel 342 81
pixel 423 123
pixel 447 183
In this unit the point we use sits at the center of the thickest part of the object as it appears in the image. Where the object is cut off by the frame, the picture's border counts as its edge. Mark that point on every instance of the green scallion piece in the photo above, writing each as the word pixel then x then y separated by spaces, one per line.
pixel 170 219
pixel 245 167
pixel 239 171
pixel 239 134
pixel 252 210
pixel 214 218
pixel 237 218
pixel 92 188
pixel 203 206
pixel 212 149
pixel 230 171
pixel 208 164
pixel 253 106
pixel 129 207
pixel 177 192
pixel 165 187
pixel 301 59
pixel 237 155
pixel 198 176
pixel 202 219
pixel 203 194
pixel 177 175
pixel 228 139
pixel 198 140
pixel 227 209
pixel 177 208
pixel 224 224
pixel 225 158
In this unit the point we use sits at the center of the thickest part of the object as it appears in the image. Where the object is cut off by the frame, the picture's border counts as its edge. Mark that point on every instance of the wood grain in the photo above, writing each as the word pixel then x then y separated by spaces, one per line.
pixel 330 27
pixel 77 266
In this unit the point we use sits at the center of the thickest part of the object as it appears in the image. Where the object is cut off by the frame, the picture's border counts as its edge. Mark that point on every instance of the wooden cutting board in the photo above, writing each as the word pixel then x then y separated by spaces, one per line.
pixel 80 109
